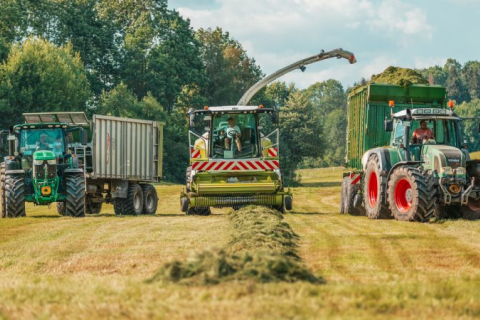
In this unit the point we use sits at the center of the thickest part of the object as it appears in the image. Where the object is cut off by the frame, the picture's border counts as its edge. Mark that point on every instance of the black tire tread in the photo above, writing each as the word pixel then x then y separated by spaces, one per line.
pixel 146 189
pixel 75 199
pixel 383 211
pixel 14 196
pixel 125 206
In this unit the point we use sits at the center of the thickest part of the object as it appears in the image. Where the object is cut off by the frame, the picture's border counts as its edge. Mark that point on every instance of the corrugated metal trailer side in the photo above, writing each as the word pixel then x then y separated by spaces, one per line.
pixel 368 106
pixel 127 149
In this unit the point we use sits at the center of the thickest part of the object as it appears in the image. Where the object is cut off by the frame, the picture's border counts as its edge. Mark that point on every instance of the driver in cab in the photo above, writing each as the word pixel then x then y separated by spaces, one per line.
pixel 42 144
pixel 233 132
pixel 423 133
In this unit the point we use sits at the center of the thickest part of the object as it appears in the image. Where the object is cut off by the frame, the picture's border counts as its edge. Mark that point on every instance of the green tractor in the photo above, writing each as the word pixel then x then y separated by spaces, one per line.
pixel 42 169
pixel 412 165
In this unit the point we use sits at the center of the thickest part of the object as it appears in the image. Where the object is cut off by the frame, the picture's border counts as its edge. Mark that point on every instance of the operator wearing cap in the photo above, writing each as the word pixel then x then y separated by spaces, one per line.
pixel 42 144
pixel 233 132
pixel 422 133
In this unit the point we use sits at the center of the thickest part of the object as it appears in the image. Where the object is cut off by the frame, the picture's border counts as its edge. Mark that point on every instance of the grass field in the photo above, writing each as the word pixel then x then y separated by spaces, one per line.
pixel 55 267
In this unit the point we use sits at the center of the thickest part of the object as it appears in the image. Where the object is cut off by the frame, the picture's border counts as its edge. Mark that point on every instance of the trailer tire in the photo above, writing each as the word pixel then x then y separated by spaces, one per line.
pixel 150 199
pixel 93 207
pixel 411 194
pixel 75 199
pixel 61 208
pixel 132 204
pixel 343 195
pixel 184 205
pixel 14 196
pixel 349 206
pixel 472 210
pixel 2 189
pixel 374 190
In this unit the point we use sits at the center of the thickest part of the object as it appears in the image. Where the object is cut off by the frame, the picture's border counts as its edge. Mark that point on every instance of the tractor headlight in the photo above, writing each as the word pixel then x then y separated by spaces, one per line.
pixel 38 162
pixel 460 171
pixel 447 170
pixel 52 161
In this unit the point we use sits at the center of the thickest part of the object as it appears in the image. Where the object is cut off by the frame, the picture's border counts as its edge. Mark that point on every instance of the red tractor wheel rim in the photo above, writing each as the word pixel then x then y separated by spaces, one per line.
pixel 403 195
pixel 373 189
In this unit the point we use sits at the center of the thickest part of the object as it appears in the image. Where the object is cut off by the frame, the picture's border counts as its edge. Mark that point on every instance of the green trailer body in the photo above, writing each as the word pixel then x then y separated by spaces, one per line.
pixel 368 107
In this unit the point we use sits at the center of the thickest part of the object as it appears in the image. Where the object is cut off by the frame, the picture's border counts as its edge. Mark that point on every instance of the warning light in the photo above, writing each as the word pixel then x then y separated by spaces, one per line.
pixel 352 59
pixel 261 106
pixel 391 103
pixel 451 104
pixel 205 108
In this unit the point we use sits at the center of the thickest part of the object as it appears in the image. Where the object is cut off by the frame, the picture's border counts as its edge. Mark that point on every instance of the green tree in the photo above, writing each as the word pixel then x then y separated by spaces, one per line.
pixel 327 96
pixel 470 126
pixel 300 133
pixel 39 76
pixel 334 137
pixel 229 70
pixel 435 75
pixel 278 93
pixel 471 74
pixel 454 84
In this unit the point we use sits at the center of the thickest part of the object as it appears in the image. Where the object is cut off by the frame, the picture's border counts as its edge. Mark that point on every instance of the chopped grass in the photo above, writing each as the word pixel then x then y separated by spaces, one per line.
pixel 262 249
pixel 399 76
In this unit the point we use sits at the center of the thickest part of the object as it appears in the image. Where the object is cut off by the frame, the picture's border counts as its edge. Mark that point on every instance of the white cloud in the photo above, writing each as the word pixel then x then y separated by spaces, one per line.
pixel 421 63
pixel 279 32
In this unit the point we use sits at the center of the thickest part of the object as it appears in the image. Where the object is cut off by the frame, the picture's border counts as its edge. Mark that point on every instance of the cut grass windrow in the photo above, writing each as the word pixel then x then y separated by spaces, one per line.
pixel 263 248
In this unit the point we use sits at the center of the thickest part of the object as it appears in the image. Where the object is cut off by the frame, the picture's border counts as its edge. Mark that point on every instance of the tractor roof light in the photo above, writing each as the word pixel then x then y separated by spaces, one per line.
pixel 261 106
pixel 205 108
pixel 391 103
pixel 451 104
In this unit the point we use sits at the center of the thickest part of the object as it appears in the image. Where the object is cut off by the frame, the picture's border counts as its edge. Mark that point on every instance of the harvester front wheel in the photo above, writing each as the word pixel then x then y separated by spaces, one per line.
pixel 201 211
pixel 374 190
pixel 288 203
pixel 75 199
pixel 411 194
pixel 14 196
pixel 132 204
pixel 472 210
pixel 2 189
pixel 150 199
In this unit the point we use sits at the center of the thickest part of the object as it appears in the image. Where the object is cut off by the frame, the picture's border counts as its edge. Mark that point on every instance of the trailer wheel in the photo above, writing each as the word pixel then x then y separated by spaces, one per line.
pixel 2 189
pixel 75 200
pixel 472 210
pixel 93 207
pixel 411 194
pixel 132 204
pixel 343 196
pixel 150 199
pixel 14 196
pixel 61 208
pixel 351 206
pixel 374 191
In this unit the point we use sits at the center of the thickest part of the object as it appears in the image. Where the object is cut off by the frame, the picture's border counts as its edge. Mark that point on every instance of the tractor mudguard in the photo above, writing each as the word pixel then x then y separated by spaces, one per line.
pixel 402 163
pixel 383 154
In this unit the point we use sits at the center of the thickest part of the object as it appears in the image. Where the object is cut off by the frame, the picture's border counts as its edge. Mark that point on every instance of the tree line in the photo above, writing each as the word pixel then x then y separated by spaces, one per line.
pixel 142 60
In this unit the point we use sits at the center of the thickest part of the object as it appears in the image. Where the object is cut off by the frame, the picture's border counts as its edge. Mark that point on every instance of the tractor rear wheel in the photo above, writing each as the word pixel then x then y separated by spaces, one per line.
pixel 132 204
pixel 472 210
pixel 411 194
pixel 374 190
pixel 150 199
pixel 75 199
pixel 2 189
pixel 14 196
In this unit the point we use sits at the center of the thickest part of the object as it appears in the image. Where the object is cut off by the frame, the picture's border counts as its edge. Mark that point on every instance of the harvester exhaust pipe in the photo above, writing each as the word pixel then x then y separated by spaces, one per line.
pixel 337 53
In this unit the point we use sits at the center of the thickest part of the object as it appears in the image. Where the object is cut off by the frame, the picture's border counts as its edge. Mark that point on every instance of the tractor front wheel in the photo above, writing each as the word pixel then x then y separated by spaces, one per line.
pixel 411 194
pixel 75 199
pixel 374 190
pixel 472 210
pixel 14 196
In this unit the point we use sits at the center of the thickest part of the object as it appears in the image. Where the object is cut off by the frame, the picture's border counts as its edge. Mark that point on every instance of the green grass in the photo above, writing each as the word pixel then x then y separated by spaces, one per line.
pixel 55 267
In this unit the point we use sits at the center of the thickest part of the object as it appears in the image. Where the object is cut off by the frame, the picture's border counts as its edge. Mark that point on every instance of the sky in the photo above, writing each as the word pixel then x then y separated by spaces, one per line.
pixel 405 33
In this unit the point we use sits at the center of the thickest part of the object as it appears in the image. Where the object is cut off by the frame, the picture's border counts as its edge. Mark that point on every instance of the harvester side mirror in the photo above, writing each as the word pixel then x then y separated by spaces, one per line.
pixel 388 125
pixel 84 137
pixel 192 120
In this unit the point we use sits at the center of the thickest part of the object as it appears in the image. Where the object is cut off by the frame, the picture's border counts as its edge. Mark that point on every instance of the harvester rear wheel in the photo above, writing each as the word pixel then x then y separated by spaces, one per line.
pixel 14 196
pixel 374 190
pixel 411 194
pixel 132 204
pixel 472 210
pixel 150 199
pixel 61 208
pixel 75 200
pixel 2 189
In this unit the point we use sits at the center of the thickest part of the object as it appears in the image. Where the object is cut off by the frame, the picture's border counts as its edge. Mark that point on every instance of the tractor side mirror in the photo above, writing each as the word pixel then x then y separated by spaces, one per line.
pixel 388 125
pixel 84 137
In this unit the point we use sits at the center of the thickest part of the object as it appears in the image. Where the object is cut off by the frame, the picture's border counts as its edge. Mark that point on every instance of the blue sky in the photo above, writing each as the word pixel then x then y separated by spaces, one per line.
pixel 381 33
